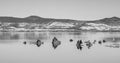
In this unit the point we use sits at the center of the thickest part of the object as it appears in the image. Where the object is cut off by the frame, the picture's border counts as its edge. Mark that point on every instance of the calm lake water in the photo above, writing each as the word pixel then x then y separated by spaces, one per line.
pixel 13 50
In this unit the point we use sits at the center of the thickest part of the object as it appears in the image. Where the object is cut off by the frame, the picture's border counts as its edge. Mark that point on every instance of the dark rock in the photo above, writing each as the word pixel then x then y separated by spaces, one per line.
pixel 71 40
pixel 100 42
pixel 25 42
pixel 88 44
pixel 94 41
pixel 104 41
pixel 79 44
pixel 38 43
pixel 55 42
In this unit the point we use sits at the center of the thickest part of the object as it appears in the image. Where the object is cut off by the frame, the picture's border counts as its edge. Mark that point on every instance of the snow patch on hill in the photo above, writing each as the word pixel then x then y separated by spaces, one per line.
pixel 60 25
pixel 99 26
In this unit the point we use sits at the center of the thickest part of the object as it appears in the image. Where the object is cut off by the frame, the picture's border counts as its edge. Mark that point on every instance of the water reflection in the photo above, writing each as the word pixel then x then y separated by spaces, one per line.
pixel 38 43
pixel 113 45
pixel 35 35
pixel 79 44
pixel 63 47
pixel 88 43
pixel 8 36
pixel 113 39
pixel 71 40
pixel 82 39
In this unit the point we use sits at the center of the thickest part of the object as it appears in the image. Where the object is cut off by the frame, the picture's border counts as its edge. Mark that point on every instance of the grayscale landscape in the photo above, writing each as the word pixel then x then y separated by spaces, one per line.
pixel 59 31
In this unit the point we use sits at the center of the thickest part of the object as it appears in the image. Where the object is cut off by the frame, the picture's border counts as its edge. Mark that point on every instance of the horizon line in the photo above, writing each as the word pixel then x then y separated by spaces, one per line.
pixel 58 18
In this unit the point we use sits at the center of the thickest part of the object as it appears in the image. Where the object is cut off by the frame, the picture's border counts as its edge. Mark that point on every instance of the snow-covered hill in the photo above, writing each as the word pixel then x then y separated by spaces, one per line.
pixel 99 27
pixel 36 23
pixel 60 25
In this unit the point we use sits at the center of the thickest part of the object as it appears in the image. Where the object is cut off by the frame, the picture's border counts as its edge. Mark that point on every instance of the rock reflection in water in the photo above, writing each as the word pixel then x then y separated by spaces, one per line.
pixel 71 40
pixel 35 35
pixel 113 45
pixel 104 41
pixel 8 35
pixel 94 41
pixel 23 35
pixel 85 39
pixel 38 43
pixel 100 42
pixel 113 39
pixel 114 42
pixel 55 42
pixel 25 42
pixel 90 52
pixel 89 43
pixel 79 44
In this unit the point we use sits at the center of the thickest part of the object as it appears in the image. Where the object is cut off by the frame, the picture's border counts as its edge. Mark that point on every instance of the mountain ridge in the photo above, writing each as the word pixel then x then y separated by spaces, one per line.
pixel 34 17
pixel 36 23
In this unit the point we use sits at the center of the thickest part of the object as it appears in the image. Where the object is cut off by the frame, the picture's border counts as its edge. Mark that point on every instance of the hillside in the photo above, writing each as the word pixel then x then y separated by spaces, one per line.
pixel 36 23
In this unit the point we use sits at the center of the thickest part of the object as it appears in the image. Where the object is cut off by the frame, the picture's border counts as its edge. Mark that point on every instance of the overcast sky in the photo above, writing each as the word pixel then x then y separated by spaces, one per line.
pixel 70 9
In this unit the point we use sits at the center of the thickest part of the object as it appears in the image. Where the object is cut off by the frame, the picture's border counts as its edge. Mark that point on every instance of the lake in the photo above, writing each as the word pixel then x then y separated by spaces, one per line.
pixel 104 48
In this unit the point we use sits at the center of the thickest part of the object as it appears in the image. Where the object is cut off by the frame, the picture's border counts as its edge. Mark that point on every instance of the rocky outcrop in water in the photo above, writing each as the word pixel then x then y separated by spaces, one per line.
pixel 38 43
pixel 55 42
pixel 79 44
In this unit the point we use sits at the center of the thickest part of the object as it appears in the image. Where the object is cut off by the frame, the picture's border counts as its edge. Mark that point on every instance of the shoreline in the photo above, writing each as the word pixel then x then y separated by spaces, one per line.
pixel 59 30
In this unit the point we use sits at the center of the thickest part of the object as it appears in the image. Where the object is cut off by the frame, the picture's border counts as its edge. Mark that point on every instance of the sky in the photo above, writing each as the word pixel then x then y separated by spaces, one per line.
pixel 61 9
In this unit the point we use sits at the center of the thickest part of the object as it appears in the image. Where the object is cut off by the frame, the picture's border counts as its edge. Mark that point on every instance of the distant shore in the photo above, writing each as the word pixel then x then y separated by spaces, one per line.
pixel 59 30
